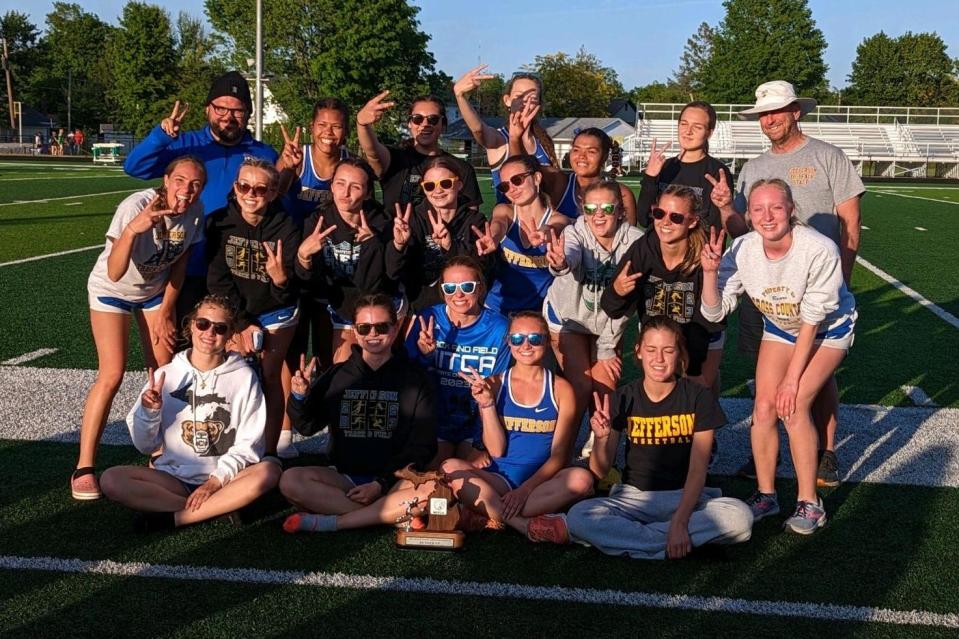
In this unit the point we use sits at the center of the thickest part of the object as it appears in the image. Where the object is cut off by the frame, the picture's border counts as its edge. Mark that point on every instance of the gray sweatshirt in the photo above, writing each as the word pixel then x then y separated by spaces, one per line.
pixel 575 292
pixel 805 285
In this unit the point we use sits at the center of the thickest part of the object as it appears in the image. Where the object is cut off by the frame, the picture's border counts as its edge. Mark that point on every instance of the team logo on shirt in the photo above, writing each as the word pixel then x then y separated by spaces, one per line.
pixel 526 261
pixel 676 301
pixel 247 258
pixel 802 175
pixel 528 425
pixel 661 430
pixel 369 414
pixel 308 194
pixel 596 281
pixel 209 433
pixel 341 258
pixel 779 302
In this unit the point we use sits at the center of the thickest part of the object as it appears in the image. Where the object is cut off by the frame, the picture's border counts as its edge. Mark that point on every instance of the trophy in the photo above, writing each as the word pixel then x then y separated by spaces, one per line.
pixel 442 514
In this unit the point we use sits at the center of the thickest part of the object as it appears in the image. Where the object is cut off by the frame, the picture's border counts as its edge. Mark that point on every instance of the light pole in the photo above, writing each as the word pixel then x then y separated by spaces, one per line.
pixel 259 71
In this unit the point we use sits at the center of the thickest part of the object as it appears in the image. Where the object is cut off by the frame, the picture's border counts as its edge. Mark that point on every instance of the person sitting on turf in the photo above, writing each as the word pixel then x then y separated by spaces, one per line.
pixel 794 276
pixel 379 408
pixel 662 509
pixel 206 411
pixel 138 273
pixel 529 426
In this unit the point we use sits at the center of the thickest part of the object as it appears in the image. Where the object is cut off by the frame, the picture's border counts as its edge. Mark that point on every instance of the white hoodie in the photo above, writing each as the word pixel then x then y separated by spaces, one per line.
pixel 210 425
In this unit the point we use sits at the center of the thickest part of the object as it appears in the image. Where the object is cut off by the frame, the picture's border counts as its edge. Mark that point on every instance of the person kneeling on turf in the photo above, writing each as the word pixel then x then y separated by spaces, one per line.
pixel 206 410
pixel 379 408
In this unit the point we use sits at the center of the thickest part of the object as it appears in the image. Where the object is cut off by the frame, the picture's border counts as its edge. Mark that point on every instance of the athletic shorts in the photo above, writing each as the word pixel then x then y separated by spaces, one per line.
pixel 514 476
pixel 841 337
pixel 340 323
pixel 357 479
pixel 280 318
pixel 557 325
pixel 717 341
pixel 106 304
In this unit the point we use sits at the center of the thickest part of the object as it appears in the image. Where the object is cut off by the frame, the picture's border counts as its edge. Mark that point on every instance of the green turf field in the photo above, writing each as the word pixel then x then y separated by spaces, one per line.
pixel 885 566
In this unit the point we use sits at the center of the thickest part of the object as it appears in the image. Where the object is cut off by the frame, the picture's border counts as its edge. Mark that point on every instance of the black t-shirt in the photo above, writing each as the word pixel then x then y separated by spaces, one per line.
pixel 691 174
pixel 401 180
pixel 659 435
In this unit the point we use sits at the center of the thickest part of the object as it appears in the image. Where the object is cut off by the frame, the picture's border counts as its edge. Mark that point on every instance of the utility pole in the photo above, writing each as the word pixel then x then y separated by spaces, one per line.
pixel 69 98
pixel 6 68
pixel 259 71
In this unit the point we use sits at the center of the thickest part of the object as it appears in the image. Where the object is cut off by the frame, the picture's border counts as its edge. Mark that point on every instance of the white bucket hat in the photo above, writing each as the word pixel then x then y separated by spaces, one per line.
pixel 771 96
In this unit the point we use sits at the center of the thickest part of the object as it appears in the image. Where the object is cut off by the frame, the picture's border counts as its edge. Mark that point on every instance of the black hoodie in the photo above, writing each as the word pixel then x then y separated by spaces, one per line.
pixel 237 259
pixel 420 263
pixel 380 420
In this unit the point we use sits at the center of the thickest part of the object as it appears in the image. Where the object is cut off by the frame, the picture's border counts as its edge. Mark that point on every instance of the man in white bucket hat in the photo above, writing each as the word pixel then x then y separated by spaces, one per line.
pixel 826 189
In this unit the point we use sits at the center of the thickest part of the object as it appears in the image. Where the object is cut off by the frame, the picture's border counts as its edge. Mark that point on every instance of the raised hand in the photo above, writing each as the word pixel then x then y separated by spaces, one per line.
pixel 363 231
pixel 657 157
pixel 292 155
pixel 721 196
pixel 471 80
pixel 401 226
pixel 151 215
pixel 521 119
pixel 152 397
pixel 599 421
pixel 536 236
pixel 313 243
pixel 274 263
pixel 556 251
pixel 485 243
pixel 171 125
pixel 712 253
pixel 426 342
pixel 480 387
pixel 372 112
pixel 300 384
pixel 441 234
pixel 624 284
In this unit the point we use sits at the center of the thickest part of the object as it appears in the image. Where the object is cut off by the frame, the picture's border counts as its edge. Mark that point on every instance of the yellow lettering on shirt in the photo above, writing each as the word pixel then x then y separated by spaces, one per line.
pixel 528 425
pixel 661 429
pixel 526 261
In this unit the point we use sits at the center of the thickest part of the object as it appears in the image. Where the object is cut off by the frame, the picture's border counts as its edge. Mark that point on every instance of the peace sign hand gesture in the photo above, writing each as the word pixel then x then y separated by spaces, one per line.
pixel 534 235
pixel 481 388
pixel 485 243
pixel 313 243
pixel 712 253
pixel 599 422
pixel 721 196
pixel 471 80
pixel 300 384
pixel 441 234
pixel 363 231
pixel 152 397
pixel 657 157
pixel 151 215
pixel 556 251
pixel 171 125
pixel 274 263
pixel 372 112
pixel 426 342
pixel 624 284
pixel 401 226
pixel 292 155
pixel 521 119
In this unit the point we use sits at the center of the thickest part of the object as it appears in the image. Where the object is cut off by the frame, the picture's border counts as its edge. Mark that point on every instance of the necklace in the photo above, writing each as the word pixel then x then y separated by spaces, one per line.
pixel 204 378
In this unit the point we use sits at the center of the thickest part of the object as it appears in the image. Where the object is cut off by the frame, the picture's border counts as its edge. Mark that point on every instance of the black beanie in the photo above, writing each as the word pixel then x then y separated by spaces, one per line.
pixel 232 84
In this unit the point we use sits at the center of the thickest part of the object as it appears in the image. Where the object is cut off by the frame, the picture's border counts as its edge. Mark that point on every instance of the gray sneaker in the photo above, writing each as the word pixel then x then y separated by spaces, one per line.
pixel 808 518
pixel 827 475
pixel 762 505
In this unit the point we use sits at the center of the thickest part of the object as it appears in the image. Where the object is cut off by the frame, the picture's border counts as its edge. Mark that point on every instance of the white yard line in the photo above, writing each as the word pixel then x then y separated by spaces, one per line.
pixel 29 357
pixel 916 197
pixel 940 312
pixel 495 589
pixel 918 396
pixel 43 257
pixel 63 177
pixel 68 197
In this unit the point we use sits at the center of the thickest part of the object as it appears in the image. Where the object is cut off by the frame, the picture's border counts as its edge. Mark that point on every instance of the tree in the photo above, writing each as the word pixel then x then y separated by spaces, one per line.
pixel 351 49
pixel 21 36
pixel 142 61
pixel 877 72
pixel 763 40
pixel 659 92
pixel 197 65
pixel 488 98
pixel 578 86
pixel 697 52
pixel 911 70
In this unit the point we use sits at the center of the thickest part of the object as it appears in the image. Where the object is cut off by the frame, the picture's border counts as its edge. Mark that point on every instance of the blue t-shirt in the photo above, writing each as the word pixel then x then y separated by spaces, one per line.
pixel 481 345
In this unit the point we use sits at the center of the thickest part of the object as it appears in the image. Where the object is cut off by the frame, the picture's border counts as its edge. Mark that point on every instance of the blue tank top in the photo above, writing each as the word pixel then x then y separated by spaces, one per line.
pixel 529 430
pixel 308 190
pixel 568 205
pixel 522 275
pixel 539 153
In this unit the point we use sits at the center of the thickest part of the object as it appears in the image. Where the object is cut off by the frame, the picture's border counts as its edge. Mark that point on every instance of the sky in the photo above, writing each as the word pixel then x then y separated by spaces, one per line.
pixel 641 39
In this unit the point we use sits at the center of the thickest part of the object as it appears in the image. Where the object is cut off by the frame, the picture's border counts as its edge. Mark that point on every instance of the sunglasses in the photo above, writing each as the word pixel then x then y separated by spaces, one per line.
pixel 220 111
pixel 449 288
pixel 258 191
pixel 608 208
pixel 445 184
pixel 674 217
pixel 381 328
pixel 534 339
pixel 203 325
pixel 419 118
pixel 516 180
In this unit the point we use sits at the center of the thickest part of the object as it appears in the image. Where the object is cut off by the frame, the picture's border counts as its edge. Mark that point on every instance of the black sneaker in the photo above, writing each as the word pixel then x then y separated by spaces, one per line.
pixel 748 470
pixel 828 474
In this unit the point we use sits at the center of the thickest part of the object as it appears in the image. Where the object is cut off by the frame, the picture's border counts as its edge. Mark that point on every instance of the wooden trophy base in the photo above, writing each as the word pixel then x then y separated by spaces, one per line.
pixel 430 539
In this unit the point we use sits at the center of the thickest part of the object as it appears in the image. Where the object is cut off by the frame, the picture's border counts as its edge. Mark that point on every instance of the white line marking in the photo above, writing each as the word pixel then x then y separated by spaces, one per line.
pixel 43 257
pixel 919 228
pixel 68 197
pixel 62 177
pixel 831 612
pixel 864 227
pixel 897 187
pixel 73 203
pixel 46 165
pixel 29 357
pixel 918 396
pixel 943 314
pixel 918 197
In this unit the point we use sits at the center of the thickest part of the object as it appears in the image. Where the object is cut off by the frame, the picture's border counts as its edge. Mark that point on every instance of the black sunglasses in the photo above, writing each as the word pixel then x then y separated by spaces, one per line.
pixel 258 191
pixel 382 328
pixel 674 217
pixel 203 325
pixel 516 180
pixel 432 120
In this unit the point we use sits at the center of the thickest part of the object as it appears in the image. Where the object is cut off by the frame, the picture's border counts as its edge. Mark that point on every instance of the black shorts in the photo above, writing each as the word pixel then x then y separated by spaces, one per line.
pixel 750 328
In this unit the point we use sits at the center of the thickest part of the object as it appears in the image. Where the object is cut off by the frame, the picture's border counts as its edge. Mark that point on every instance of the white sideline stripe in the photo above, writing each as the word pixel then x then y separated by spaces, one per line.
pixel 943 314
pixel 68 197
pixel 918 197
pixel 918 396
pixel 43 257
pixel 73 203
pixel 62 177
pixel 29 357
pixel 919 228
pixel 865 228
pixel 65 165
pixel 915 188
pixel 498 589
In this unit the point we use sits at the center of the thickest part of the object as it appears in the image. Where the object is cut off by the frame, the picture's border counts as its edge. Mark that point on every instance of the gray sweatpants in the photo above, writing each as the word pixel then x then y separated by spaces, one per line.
pixel 635 522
